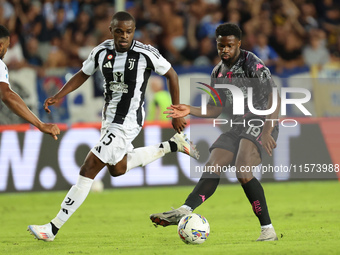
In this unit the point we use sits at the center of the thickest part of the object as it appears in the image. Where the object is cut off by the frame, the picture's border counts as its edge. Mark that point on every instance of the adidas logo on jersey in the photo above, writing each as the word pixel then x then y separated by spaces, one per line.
pixel 98 148
pixel 108 65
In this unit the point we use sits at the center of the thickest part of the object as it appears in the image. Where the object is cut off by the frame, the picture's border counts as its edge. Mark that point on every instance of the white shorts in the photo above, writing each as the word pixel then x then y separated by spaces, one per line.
pixel 115 142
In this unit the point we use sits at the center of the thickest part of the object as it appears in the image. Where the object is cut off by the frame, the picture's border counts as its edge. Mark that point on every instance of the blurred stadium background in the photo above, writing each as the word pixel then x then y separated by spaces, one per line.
pixel 299 40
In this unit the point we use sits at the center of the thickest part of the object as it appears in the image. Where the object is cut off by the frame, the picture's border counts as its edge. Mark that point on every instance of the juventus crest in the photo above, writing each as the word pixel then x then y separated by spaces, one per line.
pixel 131 63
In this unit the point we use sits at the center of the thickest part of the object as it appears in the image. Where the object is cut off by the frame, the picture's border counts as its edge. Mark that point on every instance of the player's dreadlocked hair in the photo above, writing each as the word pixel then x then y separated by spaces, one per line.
pixel 123 16
pixel 3 32
pixel 227 29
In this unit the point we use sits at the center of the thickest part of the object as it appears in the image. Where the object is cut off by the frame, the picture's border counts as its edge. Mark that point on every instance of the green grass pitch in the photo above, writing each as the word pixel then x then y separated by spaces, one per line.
pixel 306 216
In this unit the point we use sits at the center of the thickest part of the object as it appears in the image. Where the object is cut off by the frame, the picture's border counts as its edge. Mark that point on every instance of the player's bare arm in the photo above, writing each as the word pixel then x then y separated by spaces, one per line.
pixel 267 140
pixel 14 102
pixel 172 80
pixel 75 82
pixel 182 110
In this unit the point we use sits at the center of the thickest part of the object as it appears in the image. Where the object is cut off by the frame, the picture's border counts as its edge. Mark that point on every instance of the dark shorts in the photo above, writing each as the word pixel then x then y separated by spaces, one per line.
pixel 230 140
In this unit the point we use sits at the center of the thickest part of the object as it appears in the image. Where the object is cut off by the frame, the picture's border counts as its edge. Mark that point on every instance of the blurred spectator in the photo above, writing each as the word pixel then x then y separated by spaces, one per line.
pixel 86 48
pixel 234 16
pixel 7 15
pixel 60 21
pixel 331 23
pixel 335 51
pixel 264 51
pixel 75 37
pixel 308 18
pixel 57 57
pixel 178 28
pixel 48 11
pixel 173 37
pixel 14 57
pixel 71 8
pixel 209 24
pixel 290 53
pixel 196 12
pixel 32 48
pixel 316 53
pixel 207 53
pixel 29 21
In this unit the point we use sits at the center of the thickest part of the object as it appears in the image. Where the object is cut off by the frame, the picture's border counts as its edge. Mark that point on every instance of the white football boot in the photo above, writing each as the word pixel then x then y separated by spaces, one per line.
pixel 184 145
pixel 43 232
pixel 267 234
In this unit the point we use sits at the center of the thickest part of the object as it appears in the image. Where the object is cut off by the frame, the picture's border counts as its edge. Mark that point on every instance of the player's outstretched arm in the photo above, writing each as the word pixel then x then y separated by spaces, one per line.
pixel 172 80
pixel 182 110
pixel 14 102
pixel 75 82
pixel 177 111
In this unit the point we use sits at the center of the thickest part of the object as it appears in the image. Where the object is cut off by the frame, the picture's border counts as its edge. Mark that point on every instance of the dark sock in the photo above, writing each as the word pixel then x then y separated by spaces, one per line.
pixel 255 195
pixel 203 189
pixel 54 229
pixel 173 146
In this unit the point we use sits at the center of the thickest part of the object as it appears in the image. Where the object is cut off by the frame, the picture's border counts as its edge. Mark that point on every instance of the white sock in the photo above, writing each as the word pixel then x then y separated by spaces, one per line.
pixel 267 226
pixel 74 198
pixel 145 155
pixel 186 207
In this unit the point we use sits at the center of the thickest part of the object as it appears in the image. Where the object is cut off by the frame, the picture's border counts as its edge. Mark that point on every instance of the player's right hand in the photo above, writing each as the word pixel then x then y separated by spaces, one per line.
pixel 177 111
pixel 51 129
pixel 49 101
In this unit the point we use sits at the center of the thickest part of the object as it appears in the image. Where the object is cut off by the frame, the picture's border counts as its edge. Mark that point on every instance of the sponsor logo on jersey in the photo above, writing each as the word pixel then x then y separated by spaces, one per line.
pixel 118 85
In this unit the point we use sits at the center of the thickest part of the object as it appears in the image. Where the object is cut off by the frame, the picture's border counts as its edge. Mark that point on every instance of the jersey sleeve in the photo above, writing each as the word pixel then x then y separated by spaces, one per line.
pixel 162 66
pixel 3 73
pixel 89 65
pixel 262 76
pixel 159 64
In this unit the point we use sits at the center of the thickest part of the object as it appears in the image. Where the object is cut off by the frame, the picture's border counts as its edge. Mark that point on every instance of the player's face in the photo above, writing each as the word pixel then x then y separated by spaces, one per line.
pixel 228 48
pixel 122 32
pixel 4 44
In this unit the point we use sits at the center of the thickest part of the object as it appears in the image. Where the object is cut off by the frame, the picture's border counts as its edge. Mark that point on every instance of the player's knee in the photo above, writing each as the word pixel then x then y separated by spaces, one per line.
pixel 244 180
pixel 213 167
pixel 86 170
pixel 244 173
pixel 117 171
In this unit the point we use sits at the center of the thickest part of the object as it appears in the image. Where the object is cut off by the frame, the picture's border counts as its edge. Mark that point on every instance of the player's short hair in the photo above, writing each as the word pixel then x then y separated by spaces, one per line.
pixel 3 32
pixel 227 29
pixel 123 16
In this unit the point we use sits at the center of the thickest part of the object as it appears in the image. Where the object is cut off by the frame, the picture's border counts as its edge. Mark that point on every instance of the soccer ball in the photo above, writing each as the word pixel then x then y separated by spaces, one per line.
pixel 193 229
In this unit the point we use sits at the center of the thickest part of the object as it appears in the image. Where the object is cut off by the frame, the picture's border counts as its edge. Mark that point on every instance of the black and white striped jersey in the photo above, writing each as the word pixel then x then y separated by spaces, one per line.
pixel 126 75
pixel 3 72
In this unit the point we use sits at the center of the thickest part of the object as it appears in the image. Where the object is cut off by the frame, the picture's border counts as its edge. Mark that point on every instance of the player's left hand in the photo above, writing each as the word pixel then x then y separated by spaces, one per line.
pixel 268 143
pixel 49 101
pixel 179 124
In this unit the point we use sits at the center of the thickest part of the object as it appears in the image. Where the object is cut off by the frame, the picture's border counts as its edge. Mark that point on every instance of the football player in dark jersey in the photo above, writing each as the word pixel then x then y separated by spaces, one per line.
pixel 243 145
